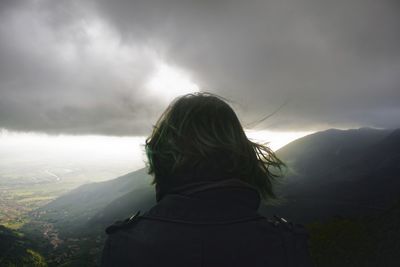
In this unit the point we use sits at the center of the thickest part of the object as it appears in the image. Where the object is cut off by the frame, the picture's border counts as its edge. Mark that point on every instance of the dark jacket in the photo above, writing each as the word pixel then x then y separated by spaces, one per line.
pixel 210 226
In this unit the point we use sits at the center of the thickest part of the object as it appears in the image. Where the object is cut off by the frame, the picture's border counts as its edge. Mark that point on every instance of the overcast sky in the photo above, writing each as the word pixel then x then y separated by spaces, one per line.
pixel 84 67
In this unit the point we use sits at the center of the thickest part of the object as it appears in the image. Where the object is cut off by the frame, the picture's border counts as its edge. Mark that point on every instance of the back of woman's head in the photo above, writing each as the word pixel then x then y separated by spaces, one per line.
pixel 199 137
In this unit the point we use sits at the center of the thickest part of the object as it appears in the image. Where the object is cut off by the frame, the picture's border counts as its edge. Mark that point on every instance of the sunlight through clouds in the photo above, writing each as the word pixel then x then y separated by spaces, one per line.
pixel 169 82
pixel 275 139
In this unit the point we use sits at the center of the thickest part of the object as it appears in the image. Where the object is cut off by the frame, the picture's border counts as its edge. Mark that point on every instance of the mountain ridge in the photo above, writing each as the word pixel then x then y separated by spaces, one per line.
pixel 344 153
pixel 332 174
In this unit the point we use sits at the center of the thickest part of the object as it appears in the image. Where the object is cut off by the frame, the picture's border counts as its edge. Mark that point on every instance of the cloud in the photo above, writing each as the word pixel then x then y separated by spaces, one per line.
pixel 73 75
pixel 73 67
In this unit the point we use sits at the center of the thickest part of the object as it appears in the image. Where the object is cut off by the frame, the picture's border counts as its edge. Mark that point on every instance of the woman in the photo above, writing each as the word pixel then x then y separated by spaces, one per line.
pixel 209 180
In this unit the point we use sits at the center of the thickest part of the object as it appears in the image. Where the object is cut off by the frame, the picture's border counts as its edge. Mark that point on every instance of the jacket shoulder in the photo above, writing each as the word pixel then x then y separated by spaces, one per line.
pixel 295 237
pixel 125 224
pixel 288 226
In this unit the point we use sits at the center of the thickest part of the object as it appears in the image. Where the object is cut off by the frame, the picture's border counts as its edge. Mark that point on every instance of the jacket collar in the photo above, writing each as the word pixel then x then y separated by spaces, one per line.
pixel 208 202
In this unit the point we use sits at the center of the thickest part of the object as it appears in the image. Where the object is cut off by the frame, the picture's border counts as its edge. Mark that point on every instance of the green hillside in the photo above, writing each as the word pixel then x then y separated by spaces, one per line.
pixel 15 250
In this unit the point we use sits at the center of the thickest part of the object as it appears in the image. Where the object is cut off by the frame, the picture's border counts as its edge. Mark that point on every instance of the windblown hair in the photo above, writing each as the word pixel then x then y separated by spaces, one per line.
pixel 201 131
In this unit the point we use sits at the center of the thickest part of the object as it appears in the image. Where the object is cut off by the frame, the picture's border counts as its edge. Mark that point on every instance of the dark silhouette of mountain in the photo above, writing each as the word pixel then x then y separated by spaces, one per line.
pixel 372 241
pixel 316 153
pixel 340 173
pixel 385 230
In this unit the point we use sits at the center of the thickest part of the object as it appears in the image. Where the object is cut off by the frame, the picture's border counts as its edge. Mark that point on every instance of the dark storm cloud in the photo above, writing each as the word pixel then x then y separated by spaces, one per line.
pixel 334 63
pixel 63 71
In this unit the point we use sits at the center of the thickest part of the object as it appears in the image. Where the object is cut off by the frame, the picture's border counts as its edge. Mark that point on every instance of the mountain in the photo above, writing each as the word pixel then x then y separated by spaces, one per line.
pixel 340 173
pixel 372 241
pixel 15 250
pixel 97 205
pixel 386 233
pixel 331 173
pixel 346 176
pixel 140 199
pixel 69 231
pixel 317 153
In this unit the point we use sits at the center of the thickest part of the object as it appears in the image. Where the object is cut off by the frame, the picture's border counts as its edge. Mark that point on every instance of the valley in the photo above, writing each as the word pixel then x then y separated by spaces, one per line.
pixel 342 184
